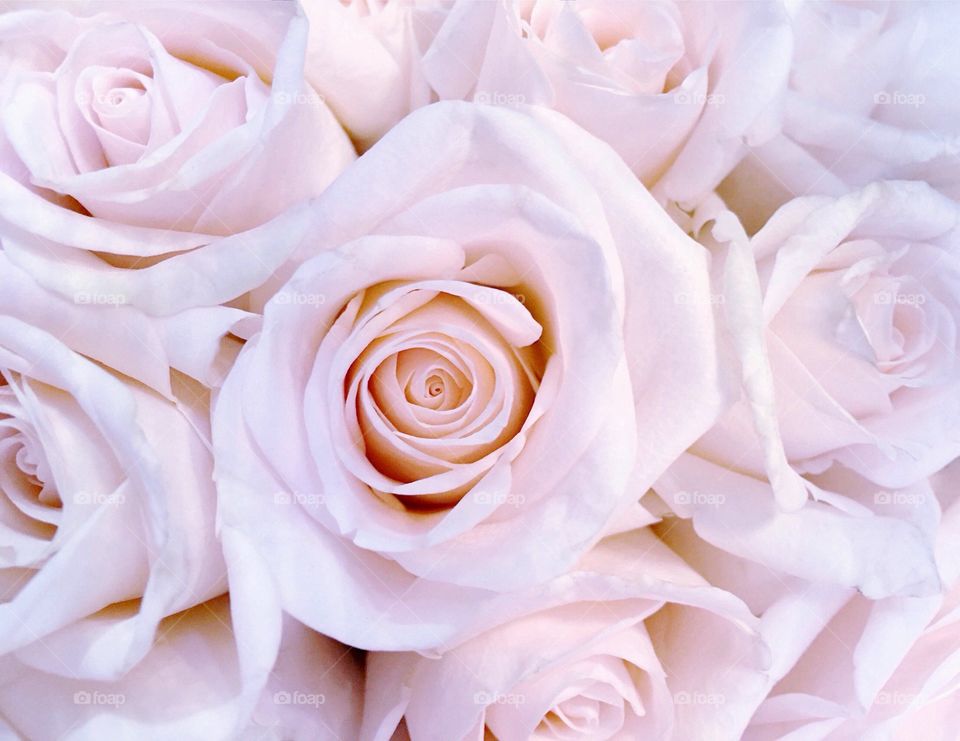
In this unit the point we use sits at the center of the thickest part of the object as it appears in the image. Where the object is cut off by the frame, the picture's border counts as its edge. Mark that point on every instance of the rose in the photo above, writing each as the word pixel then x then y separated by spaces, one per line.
pixel 841 664
pixel 884 111
pixel 848 355
pixel 190 685
pixel 106 507
pixel 860 304
pixel 363 58
pixel 675 88
pixel 129 144
pixel 460 416
pixel 599 667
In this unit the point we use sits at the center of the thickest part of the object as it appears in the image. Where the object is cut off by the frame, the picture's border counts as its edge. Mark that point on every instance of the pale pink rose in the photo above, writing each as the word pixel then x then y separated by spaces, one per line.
pixel 675 662
pixel 871 97
pixel 192 685
pixel 134 136
pixel 483 361
pixel 877 670
pixel 363 56
pixel 844 666
pixel 843 315
pixel 676 88
pixel 106 507
pixel 860 307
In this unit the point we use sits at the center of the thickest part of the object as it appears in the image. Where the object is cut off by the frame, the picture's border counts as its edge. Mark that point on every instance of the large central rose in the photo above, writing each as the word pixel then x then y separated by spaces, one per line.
pixel 464 382
pixel 422 380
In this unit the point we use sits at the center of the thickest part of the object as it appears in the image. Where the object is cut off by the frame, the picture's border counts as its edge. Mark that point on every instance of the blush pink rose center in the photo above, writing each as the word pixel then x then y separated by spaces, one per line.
pixel 442 374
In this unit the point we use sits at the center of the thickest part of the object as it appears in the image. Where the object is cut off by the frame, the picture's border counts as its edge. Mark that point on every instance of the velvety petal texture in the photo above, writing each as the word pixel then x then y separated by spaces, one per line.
pixel 479 370
pixel 200 343
pixel 601 667
pixel 431 415
pixel 878 669
pixel 363 58
pixel 190 685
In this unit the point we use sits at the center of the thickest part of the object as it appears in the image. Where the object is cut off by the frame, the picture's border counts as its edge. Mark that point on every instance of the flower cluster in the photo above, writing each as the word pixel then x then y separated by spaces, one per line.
pixel 479 369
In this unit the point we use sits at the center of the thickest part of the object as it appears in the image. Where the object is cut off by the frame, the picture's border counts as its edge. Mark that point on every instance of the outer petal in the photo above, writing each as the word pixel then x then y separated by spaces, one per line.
pixel 191 685
pixel 198 342
pixel 880 555
pixel 548 184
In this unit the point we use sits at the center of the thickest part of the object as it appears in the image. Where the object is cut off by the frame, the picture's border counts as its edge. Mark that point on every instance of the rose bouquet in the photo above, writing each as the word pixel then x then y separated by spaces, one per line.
pixel 479 369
